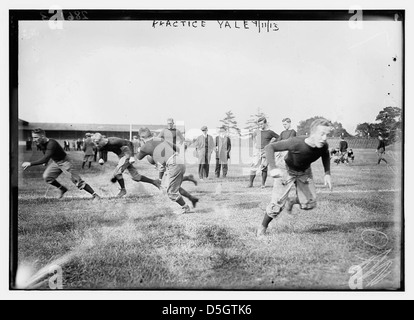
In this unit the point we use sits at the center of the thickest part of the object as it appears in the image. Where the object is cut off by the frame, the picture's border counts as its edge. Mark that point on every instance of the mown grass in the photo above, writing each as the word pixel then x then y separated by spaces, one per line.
pixel 137 242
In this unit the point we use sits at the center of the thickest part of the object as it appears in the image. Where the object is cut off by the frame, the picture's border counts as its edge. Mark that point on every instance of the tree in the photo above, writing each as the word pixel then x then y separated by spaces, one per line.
pixel 390 123
pixel 337 129
pixel 251 124
pixel 367 130
pixel 230 123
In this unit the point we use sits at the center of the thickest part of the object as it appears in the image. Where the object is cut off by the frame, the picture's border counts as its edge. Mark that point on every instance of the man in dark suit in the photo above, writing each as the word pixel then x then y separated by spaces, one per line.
pixel 223 148
pixel 204 148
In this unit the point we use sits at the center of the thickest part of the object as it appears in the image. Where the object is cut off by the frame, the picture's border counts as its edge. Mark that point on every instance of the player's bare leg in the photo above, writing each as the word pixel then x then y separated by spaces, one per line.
pixel 251 180
pixel 190 178
pixel 155 183
pixel 121 183
pixel 193 199
pixel 264 178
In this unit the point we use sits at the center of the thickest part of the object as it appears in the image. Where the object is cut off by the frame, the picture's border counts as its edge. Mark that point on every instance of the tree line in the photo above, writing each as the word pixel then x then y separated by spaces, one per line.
pixel 388 124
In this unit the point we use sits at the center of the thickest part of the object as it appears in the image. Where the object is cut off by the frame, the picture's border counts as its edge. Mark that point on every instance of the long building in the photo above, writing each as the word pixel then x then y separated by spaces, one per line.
pixel 74 131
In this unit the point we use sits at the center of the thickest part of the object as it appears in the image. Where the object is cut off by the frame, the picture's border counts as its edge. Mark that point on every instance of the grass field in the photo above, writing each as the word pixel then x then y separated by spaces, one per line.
pixel 137 242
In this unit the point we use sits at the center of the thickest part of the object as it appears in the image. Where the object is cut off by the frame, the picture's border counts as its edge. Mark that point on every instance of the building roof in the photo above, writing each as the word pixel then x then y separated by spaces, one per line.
pixel 87 127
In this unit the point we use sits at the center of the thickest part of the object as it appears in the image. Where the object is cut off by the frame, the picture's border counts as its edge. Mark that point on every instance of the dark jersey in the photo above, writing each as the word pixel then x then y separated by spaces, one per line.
pixel 120 147
pixel 263 137
pixel 159 149
pixel 381 144
pixel 300 155
pixel 51 150
pixel 343 146
pixel 287 134
pixel 171 135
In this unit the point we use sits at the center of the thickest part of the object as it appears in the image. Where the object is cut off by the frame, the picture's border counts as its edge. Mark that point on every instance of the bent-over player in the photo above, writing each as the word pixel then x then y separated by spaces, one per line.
pixel 165 153
pixel 125 151
pixel 296 171
pixel 60 163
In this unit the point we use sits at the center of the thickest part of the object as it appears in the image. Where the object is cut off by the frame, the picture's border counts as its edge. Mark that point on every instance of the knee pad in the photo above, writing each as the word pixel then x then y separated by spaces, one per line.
pixel 273 210
pixel 174 196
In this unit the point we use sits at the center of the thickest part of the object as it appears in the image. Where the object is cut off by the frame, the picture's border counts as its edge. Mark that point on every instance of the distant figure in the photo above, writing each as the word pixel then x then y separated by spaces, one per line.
pixel 95 154
pixel 288 132
pixel 170 134
pixel 89 148
pixel 66 145
pixel 261 138
pixel 381 150
pixel 79 144
pixel 103 153
pixel 29 144
pixel 343 149
pixel 351 154
pixel 61 163
pixel 335 154
pixel 74 145
pixel 204 148
pixel 136 143
pixel 223 148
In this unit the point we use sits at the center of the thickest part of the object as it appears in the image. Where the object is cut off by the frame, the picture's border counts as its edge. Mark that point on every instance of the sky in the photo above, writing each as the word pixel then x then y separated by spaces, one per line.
pixel 125 72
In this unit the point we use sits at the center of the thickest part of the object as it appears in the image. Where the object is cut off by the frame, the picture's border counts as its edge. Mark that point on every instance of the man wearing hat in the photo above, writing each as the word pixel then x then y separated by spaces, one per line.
pixel 204 148
pixel 223 148
pixel 89 148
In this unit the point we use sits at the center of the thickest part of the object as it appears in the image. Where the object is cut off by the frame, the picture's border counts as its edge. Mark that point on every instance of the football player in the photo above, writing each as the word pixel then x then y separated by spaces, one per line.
pixel 124 149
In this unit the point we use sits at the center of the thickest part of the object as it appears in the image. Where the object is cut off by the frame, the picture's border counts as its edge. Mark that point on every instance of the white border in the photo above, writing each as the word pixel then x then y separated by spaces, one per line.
pixel 200 295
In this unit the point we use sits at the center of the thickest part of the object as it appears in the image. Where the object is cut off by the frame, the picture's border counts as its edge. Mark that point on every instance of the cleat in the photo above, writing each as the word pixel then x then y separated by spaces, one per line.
pixel 113 179
pixel 96 197
pixel 263 187
pixel 184 209
pixel 194 202
pixel 62 190
pixel 121 193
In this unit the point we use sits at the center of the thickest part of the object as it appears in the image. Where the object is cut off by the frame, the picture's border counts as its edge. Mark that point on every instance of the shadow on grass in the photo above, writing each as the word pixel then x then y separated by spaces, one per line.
pixel 248 205
pixel 43 200
pixel 373 203
pixel 219 237
pixel 68 226
pixel 153 217
pixel 348 227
